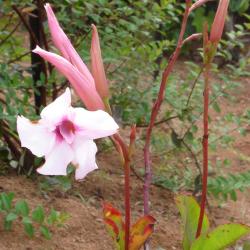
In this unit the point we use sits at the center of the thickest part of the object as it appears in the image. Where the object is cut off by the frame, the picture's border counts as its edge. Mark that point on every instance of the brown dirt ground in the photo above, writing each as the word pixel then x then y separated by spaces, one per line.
pixel 85 229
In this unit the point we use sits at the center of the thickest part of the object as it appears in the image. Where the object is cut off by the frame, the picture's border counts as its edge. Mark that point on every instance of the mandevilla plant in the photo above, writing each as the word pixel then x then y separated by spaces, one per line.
pixel 65 135
pixel 70 132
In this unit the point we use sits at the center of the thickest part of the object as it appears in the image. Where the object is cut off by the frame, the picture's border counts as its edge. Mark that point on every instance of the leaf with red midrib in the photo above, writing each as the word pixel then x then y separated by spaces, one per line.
pixel 141 231
pixel 115 225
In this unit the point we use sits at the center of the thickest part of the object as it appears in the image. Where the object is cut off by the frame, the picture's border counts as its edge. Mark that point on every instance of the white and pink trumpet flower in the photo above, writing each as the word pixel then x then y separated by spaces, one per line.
pixel 65 135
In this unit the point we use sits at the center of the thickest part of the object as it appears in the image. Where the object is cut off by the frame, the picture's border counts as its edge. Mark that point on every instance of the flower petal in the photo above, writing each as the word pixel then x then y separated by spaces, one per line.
pixel 93 125
pixel 57 160
pixel 63 43
pixel 55 111
pixel 97 65
pixel 85 151
pixel 35 136
pixel 83 88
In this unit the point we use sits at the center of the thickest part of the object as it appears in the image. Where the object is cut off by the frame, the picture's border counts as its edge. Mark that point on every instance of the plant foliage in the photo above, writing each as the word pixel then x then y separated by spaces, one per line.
pixel 32 220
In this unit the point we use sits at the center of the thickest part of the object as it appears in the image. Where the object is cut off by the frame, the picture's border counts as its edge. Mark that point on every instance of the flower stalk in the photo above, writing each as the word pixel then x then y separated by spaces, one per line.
pixel 205 149
pixel 156 108
pixel 155 111
pixel 126 165
pixel 209 46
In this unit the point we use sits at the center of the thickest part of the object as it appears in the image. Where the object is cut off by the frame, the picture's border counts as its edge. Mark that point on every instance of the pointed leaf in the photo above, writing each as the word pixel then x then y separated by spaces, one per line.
pixel 7 225
pixel 190 210
pixel 115 225
pixel 53 217
pixel 38 214
pixel 11 217
pixel 141 231
pixel 7 200
pixel 221 237
pixel 45 232
pixel 28 227
pixel 22 208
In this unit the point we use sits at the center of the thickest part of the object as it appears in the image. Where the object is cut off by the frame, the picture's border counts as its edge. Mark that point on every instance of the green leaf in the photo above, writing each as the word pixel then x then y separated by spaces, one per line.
pixel 233 195
pixel 8 220
pixel 189 136
pixel 221 237
pixel 190 210
pixel 246 245
pixel 216 107
pixel 38 215
pixel 7 225
pixel 22 208
pixel 7 200
pixel 27 220
pixel 53 217
pixel 11 217
pixel 1 206
pixel 45 232
pixel 28 227
pixel 61 218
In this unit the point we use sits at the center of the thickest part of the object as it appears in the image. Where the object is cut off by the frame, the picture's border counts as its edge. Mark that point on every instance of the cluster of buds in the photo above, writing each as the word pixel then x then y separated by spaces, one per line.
pixel 91 88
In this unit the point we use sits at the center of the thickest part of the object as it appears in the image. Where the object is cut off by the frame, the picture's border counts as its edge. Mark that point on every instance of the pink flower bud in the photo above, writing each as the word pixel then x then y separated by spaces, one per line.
pixel 192 37
pixel 71 65
pixel 219 21
pixel 197 4
pixel 82 86
pixel 97 65
pixel 64 45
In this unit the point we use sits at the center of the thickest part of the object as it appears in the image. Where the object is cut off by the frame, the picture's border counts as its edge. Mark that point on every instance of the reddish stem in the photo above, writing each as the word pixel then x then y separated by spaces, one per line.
pixel 156 107
pixel 205 151
pixel 126 158
pixel 127 202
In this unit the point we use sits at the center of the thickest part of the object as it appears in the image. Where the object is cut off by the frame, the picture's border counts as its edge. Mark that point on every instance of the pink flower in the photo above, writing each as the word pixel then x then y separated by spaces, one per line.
pixel 219 21
pixel 97 65
pixel 65 135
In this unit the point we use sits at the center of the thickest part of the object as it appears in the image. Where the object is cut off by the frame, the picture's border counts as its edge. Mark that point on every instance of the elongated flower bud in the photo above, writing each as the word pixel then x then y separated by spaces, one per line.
pixel 219 21
pixel 64 45
pixel 83 88
pixel 192 37
pixel 97 65
pixel 197 4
